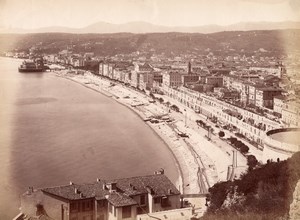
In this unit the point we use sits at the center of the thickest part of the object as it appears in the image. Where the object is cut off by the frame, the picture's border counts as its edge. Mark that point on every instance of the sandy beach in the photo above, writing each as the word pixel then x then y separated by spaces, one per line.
pixel 201 163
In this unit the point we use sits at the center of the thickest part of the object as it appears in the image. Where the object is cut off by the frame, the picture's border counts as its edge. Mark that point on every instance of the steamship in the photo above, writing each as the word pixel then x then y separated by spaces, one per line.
pixel 28 66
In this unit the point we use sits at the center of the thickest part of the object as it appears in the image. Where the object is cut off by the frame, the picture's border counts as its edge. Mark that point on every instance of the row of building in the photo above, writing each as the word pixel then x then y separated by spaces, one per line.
pixel 247 90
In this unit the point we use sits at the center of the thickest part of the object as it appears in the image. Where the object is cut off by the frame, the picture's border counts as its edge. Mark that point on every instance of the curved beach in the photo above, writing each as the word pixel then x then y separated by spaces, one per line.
pixel 56 131
pixel 192 179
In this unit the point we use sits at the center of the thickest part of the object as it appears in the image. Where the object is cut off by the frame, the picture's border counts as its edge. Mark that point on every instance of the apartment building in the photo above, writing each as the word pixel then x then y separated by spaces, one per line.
pixel 146 80
pixel 278 104
pixel 106 69
pixel 216 81
pixel 103 200
pixel 172 78
pixel 291 113
pixel 264 96
pixel 189 78
pixel 252 125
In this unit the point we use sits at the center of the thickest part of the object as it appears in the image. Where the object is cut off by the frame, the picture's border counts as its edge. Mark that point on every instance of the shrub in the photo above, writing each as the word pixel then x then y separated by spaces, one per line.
pixel 251 161
pixel 244 149
pixel 221 134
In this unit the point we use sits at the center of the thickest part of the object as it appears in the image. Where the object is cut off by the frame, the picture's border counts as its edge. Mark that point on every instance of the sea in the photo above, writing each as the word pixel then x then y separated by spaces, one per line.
pixel 53 131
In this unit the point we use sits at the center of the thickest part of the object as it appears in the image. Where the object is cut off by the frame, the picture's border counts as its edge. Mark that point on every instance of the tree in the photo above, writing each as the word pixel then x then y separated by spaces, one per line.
pixel 251 161
pixel 161 100
pixel 233 140
pixel 151 95
pixel 244 148
pixel 264 193
pixel 238 144
pixel 175 108
pixel 221 134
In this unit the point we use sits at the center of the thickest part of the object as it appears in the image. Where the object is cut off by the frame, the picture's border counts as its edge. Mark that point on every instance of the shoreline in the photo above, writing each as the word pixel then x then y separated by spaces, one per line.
pixel 180 180
pixel 197 159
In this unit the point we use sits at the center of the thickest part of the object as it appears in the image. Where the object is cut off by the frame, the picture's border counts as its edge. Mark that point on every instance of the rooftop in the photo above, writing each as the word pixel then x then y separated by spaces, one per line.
pixel 157 185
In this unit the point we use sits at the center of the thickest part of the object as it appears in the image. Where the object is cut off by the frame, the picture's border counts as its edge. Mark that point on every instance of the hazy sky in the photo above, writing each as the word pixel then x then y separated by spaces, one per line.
pixel 79 13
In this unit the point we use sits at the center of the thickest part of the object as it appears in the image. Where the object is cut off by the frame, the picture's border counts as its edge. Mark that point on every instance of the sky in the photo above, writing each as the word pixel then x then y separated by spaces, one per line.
pixel 31 14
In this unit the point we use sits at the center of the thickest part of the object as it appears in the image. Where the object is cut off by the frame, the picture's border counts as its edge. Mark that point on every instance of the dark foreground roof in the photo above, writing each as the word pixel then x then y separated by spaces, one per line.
pixel 119 199
pixel 157 185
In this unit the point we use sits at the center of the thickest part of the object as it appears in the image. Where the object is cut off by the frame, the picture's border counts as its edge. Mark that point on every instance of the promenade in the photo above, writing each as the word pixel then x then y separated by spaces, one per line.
pixel 201 162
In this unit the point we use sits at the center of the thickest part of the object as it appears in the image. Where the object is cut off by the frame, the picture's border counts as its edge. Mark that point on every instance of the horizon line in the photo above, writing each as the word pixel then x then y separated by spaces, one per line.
pixel 140 21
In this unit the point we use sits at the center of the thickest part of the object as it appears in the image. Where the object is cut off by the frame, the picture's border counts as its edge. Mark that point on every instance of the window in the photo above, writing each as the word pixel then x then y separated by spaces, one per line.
pixel 115 211
pixel 143 200
pixel 101 217
pixel 126 212
pixel 73 207
pixel 110 208
pixel 87 205
pixel 165 202
pixel 88 217
pixel 100 203
pixel 156 200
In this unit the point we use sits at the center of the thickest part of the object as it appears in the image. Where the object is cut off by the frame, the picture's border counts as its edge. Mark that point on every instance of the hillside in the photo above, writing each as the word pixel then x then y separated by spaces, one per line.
pixel 263 193
pixel 274 42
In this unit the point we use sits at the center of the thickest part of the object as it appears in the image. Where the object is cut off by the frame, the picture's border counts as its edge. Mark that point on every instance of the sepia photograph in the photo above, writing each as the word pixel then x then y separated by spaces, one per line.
pixel 150 110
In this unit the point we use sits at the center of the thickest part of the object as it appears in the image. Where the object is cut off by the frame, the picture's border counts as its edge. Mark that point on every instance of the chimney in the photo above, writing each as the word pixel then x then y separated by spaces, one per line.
pixel 112 187
pixel 132 186
pixel 76 190
pixel 71 183
pixel 169 191
pixel 149 190
pixel 98 180
pixel 161 171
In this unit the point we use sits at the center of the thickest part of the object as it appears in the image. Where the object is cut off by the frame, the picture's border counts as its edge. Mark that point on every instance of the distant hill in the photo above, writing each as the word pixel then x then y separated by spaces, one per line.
pixel 145 27
pixel 273 42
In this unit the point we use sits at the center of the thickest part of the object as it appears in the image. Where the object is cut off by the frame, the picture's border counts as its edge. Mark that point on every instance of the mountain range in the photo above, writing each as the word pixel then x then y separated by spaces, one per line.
pixel 145 27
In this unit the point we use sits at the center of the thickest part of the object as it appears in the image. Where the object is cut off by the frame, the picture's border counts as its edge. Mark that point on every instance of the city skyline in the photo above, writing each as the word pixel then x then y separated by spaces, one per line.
pixel 38 14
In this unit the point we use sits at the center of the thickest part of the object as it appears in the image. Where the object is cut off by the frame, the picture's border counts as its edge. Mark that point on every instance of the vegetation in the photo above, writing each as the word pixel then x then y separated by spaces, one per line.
pixel 221 134
pixel 239 145
pixel 222 43
pixel 151 95
pixel 265 192
pixel 161 100
pixel 175 108
pixel 203 124
pixel 251 161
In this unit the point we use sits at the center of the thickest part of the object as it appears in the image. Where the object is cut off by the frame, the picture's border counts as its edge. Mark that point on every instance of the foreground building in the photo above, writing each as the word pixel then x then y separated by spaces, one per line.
pixel 103 200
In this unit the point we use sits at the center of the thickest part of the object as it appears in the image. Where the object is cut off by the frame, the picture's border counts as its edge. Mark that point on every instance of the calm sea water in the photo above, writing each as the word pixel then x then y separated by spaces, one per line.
pixel 53 131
